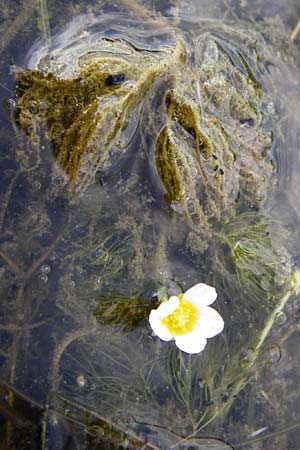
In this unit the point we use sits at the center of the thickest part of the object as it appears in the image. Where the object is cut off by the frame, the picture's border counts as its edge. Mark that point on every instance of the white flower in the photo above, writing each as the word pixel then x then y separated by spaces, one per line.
pixel 188 319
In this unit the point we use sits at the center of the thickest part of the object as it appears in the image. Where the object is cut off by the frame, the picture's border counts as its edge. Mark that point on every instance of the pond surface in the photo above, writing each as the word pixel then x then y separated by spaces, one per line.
pixel 147 147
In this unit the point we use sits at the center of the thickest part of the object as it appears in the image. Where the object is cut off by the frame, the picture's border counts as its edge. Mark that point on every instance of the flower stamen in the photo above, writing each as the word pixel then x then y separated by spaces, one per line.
pixel 183 319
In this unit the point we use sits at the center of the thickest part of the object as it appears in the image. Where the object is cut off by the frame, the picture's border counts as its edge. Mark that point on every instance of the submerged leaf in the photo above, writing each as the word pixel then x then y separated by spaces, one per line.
pixel 259 256
pixel 116 309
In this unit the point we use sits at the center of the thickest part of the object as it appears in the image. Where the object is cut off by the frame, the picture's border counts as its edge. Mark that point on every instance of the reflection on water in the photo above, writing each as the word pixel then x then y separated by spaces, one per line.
pixel 144 150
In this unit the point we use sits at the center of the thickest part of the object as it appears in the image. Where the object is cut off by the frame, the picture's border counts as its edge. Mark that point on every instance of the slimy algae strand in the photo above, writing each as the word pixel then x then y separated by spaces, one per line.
pixel 68 108
pixel 166 165
pixel 85 116
pixel 188 115
pixel 167 151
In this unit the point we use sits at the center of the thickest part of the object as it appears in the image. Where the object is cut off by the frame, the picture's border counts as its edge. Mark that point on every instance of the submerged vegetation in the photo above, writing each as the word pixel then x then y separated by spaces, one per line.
pixel 84 117
pixel 147 159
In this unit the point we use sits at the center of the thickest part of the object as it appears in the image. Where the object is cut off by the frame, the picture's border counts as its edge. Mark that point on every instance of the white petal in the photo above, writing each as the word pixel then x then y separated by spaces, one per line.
pixel 166 308
pixel 201 294
pixel 210 323
pixel 158 327
pixel 191 342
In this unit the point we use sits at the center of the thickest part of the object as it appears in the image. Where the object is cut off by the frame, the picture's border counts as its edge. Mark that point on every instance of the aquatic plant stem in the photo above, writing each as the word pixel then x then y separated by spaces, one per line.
pixel 71 337
pixel 12 265
pixel 270 321
pixel 113 425
pixel 45 24
pixel 295 32
pixel 188 394
pixel 6 198
pixel 266 436
pixel 242 381
pixel 15 346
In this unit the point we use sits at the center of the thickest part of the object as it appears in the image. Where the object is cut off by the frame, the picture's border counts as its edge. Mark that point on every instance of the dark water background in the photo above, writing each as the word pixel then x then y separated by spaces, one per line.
pixel 66 381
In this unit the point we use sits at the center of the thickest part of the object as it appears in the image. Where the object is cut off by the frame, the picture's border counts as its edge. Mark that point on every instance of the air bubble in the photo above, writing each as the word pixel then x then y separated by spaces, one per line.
pixel 45 269
pixel 81 381
pixel 247 358
pixel 274 355
pixel 72 101
pixel 99 253
pixel 43 279
pixel 33 108
pixel 30 129
pixel 10 103
pixel 280 318
pixel 92 96
pixel 57 131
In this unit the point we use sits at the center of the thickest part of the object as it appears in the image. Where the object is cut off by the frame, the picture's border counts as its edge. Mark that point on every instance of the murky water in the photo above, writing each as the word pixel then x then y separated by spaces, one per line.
pixel 147 148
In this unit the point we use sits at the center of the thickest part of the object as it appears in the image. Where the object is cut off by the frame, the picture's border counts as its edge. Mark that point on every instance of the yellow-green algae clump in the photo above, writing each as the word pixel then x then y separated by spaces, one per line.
pixel 201 127
pixel 84 116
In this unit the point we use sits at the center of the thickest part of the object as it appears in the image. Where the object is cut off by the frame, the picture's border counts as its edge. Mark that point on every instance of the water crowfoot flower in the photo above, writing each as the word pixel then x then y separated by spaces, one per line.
pixel 188 318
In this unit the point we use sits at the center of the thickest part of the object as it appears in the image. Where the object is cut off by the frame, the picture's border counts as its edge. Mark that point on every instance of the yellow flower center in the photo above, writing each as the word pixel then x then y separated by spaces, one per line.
pixel 183 319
